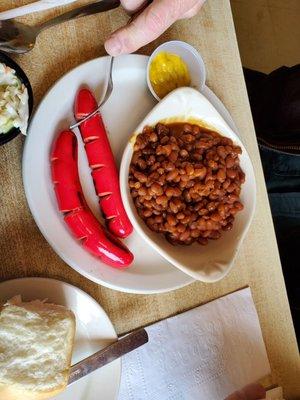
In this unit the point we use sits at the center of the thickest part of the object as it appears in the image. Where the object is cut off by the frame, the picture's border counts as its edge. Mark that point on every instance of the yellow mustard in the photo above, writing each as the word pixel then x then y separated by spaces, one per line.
pixel 168 72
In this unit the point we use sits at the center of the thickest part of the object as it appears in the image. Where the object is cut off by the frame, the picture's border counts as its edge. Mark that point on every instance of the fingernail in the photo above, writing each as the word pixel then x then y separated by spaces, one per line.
pixel 113 46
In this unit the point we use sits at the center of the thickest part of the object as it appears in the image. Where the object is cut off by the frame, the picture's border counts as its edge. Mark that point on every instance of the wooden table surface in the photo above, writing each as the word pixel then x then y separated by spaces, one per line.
pixel 24 251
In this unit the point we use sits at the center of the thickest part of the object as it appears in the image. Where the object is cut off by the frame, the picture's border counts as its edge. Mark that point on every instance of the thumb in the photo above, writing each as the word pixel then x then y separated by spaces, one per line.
pixel 148 26
pixel 132 5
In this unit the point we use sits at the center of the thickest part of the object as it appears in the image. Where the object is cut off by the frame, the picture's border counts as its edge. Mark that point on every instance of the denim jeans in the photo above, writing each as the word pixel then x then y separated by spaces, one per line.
pixel 275 105
pixel 282 174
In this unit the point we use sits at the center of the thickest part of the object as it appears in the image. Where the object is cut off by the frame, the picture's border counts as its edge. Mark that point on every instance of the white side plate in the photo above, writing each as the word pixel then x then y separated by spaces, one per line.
pixel 94 331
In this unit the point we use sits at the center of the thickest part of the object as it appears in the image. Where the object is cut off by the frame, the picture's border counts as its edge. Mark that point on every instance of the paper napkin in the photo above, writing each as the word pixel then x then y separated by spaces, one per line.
pixel 203 354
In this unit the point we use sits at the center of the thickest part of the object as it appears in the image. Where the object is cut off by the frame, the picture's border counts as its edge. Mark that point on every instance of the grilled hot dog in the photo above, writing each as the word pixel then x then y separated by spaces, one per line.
pixel 71 202
pixel 102 163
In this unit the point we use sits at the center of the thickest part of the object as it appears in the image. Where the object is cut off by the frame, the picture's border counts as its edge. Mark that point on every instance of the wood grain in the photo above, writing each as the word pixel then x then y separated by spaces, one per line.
pixel 24 251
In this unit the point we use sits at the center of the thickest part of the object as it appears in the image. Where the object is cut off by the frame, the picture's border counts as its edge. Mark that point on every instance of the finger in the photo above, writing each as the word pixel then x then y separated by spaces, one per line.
pixel 250 392
pixel 132 5
pixel 148 26
pixel 194 10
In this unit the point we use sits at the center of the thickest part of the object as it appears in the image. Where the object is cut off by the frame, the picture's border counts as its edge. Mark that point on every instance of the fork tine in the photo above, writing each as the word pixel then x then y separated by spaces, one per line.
pixel 108 92
pixel 109 87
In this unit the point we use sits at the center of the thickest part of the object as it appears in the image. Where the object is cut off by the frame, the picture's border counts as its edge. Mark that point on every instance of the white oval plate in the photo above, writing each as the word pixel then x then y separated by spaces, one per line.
pixel 130 102
pixel 94 331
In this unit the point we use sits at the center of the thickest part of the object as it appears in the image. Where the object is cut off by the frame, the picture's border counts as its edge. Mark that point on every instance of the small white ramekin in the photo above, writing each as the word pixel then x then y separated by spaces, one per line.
pixel 189 55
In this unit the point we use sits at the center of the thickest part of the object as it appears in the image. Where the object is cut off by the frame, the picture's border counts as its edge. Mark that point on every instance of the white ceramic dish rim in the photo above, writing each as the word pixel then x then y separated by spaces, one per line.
pixel 139 224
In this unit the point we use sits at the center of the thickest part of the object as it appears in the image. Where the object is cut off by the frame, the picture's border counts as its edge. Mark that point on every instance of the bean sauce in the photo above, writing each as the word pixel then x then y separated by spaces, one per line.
pixel 185 181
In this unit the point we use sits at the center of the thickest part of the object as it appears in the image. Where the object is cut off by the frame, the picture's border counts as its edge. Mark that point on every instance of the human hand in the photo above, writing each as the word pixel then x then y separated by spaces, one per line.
pixel 150 24
pixel 250 392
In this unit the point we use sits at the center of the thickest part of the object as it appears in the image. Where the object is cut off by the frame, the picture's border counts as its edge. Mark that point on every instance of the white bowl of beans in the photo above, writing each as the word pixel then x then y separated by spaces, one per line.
pixel 188 185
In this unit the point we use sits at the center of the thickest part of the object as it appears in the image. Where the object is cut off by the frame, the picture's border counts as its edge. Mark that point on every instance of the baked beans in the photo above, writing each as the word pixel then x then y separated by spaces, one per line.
pixel 185 181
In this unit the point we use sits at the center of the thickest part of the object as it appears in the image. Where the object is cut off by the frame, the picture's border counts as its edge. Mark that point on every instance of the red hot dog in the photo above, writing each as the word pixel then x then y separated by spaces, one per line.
pixel 102 163
pixel 79 218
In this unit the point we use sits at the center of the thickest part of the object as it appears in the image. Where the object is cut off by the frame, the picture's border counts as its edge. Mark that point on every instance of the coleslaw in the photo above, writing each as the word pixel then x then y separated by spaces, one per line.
pixel 14 109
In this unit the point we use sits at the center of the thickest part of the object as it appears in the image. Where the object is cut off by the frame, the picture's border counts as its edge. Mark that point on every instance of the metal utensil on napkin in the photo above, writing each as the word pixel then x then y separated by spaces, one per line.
pixel 16 37
pixel 111 353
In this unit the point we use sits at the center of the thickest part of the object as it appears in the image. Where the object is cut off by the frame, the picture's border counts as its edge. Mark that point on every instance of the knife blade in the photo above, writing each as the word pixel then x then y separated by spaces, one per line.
pixel 111 353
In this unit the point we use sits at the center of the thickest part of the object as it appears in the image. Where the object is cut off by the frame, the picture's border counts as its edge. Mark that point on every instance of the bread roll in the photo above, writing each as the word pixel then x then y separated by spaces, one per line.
pixel 36 343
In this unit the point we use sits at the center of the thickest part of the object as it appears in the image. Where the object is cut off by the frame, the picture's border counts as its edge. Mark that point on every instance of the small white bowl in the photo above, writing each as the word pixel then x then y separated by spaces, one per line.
pixel 189 55
pixel 212 262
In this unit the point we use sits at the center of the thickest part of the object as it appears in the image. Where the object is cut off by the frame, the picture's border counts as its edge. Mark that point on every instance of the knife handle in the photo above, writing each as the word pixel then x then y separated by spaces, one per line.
pixel 116 350
pixel 40 5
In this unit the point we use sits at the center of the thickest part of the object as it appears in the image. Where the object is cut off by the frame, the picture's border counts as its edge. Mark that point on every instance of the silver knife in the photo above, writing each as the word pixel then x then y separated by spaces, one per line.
pixel 111 353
